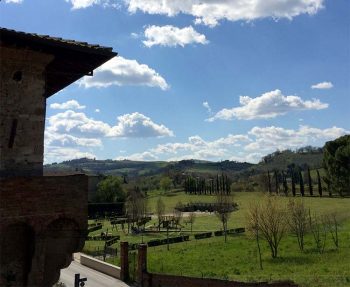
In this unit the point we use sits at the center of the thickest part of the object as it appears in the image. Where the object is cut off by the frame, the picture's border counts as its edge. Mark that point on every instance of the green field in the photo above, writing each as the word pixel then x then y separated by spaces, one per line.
pixel 238 258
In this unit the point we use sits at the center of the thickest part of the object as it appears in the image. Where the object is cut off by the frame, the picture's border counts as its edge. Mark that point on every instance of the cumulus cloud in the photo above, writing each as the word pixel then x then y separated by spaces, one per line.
pixel 80 4
pixel 72 130
pixel 123 72
pixel 14 1
pixel 171 36
pixel 210 12
pixel 97 110
pixel 250 147
pixel 207 106
pixel 268 105
pixel 138 125
pixel 144 156
pixel 135 125
pixel 69 105
pixel 58 154
pixel 271 138
pixel 77 124
pixel 322 86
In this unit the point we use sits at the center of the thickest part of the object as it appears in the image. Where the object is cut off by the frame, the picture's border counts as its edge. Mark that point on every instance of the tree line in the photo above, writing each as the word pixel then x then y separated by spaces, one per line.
pixel 197 185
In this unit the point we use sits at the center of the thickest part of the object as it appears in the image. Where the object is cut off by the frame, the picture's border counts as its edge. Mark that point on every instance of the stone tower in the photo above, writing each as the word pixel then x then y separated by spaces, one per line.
pixel 43 220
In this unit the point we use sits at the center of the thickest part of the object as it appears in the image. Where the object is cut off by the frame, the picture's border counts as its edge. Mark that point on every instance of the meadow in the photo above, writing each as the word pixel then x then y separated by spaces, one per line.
pixel 238 258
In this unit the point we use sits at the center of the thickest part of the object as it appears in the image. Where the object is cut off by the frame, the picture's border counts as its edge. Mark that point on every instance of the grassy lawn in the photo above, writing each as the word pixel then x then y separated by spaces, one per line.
pixel 238 258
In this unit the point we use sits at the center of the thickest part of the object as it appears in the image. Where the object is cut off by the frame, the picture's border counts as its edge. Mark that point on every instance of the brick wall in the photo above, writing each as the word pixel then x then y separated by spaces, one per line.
pixel 45 218
pixel 22 111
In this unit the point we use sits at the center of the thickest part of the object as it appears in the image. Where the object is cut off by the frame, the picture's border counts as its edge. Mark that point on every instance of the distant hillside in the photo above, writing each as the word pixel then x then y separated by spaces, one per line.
pixel 280 160
pixel 306 156
pixel 143 168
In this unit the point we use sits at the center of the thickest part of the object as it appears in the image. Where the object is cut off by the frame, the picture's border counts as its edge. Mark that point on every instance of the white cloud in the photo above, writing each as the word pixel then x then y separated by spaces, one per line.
pixel 77 124
pixel 14 1
pixel 72 131
pixel 80 4
pixel 209 12
pixel 133 125
pixel 69 105
pixel 250 147
pixel 97 111
pixel 271 138
pixel 137 125
pixel 66 140
pixel 207 106
pixel 58 154
pixel 172 36
pixel 145 156
pixel 268 105
pixel 322 86
pixel 121 72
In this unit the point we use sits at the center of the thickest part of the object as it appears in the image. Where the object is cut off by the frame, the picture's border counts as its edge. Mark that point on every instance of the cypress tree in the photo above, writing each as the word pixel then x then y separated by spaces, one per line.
pixel 310 182
pixel 319 183
pixel 269 181
pixel 301 183
pixel 285 185
pixel 276 181
pixel 293 183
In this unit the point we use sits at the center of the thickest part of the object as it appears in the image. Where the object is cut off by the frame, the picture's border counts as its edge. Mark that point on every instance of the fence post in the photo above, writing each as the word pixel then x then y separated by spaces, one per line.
pixel 142 264
pixel 124 261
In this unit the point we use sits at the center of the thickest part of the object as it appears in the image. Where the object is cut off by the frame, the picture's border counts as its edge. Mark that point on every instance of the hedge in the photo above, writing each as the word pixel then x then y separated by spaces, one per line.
pixel 94 228
pixel 203 235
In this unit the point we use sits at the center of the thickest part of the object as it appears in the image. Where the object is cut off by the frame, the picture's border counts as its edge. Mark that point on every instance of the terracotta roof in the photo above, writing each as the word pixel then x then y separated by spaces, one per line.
pixel 73 59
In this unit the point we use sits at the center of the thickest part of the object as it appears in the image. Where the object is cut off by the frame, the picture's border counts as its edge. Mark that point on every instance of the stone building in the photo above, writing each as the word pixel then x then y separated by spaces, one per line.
pixel 43 219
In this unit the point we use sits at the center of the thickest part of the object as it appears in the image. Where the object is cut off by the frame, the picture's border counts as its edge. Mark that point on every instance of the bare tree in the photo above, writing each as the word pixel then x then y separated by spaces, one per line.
pixel 253 216
pixel 223 209
pixel 298 220
pixel 318 230
pixel 177 213
pixel 191 218
pixel 160 210
pixel 136 206
pixel 272 223
pixel 331 221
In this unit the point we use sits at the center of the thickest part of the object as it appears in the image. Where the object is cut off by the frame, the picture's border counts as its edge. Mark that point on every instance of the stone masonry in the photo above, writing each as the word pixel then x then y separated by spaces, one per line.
pixel 43 219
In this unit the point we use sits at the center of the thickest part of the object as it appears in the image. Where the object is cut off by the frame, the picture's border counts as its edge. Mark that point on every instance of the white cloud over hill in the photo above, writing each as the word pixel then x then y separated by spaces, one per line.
pixel 250 147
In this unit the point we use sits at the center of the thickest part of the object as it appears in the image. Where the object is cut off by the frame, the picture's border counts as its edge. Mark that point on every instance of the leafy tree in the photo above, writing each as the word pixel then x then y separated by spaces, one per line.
pixel 110 190
pixel 136 206
pixel 336 161
pixel 165 183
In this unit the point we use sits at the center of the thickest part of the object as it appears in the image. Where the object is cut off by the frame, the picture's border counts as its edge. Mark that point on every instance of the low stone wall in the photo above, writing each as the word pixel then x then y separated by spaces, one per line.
pixel 160 280
pixel 100 266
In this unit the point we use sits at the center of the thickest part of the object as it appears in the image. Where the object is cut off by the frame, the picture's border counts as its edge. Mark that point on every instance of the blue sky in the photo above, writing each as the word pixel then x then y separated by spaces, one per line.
pixel 210 80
